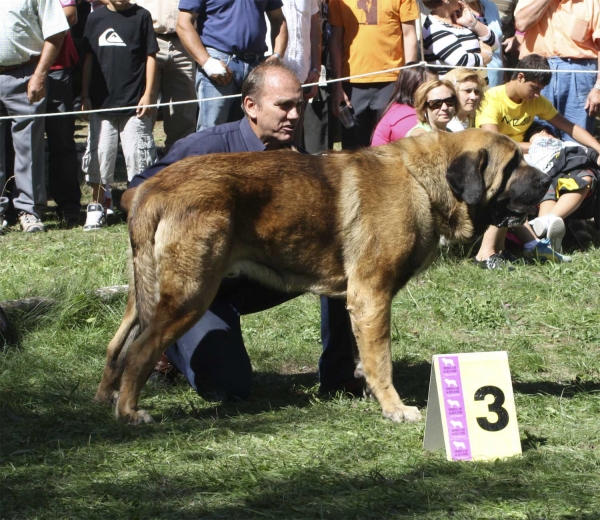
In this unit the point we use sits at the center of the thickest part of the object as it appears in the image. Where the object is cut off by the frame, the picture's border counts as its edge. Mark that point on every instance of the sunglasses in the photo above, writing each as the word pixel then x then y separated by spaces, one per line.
pixel 436 104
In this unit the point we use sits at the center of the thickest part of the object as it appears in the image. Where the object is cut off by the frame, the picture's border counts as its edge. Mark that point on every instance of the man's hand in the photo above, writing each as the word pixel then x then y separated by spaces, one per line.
pixel 217 71
pixel 592 105
pixel 142 111
pixel 36 88
pixel 339 97
pixel 86 104
pixel 313 77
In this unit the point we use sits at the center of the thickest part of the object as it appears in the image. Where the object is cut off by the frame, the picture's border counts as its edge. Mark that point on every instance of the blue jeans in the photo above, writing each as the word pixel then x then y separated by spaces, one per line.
pixel 221 111
pixel 568 92
pixel 212 355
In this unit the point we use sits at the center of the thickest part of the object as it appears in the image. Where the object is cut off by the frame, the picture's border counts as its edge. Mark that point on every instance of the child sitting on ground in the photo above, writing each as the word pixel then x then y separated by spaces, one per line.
pixel 574 171
pixel 119 71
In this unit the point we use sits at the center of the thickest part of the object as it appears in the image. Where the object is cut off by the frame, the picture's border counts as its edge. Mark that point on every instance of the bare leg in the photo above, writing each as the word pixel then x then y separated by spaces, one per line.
pixel 97 193
pixel 492 242
pixel 566 204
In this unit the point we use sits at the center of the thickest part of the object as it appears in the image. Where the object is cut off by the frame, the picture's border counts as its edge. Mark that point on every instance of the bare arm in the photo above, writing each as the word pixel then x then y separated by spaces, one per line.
pixel 279 32
pixel 191 41
pixel 71 14
pixel 36 87
pixel 530 15
pixel 336 46
pixel 409 37
pixel 581 135
pixel 86 78
pixel 592 105
pixel 147 97
pixel 315 55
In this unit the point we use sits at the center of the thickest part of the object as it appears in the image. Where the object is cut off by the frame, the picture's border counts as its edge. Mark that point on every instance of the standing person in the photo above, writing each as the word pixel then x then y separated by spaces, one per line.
pixel 31 35
pixel 119 71
pixel 453 35
pixel 303 51
pixel 567 33
pixel 487 13
pixel 226 38
pixel 368 36
pixel 63 168
pixel 212 355
pixel 175 70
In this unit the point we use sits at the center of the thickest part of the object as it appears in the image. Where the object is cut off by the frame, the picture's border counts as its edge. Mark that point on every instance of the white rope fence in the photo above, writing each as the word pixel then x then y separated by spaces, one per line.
pixel 320 83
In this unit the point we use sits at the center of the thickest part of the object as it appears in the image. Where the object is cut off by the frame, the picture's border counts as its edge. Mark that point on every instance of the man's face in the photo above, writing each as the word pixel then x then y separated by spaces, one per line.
pixel 118 5
pixel 277 111
pixel 529 90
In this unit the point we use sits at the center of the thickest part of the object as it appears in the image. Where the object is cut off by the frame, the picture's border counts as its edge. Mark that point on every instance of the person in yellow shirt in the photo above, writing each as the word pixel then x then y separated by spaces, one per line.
pixel 510 109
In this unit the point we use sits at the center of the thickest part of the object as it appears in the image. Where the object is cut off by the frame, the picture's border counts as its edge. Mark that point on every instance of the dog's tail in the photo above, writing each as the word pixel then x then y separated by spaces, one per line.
pixel 143 222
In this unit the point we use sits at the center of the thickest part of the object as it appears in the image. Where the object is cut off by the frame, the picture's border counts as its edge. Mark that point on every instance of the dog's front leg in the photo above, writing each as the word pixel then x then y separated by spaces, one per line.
pixel 370 312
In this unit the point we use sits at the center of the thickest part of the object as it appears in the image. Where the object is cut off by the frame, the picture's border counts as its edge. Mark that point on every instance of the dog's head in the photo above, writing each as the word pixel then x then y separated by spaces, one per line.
pixel 490 174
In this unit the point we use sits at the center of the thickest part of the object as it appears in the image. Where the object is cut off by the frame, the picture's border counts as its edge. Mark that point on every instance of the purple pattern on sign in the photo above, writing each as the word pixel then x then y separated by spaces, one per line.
pixel 454 407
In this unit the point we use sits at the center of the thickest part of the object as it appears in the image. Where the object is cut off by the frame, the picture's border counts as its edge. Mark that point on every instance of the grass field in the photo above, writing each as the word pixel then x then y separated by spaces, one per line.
pixel 286 452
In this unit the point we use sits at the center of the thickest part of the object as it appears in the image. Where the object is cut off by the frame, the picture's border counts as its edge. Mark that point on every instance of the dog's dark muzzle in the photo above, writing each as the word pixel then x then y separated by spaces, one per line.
pixel 511 208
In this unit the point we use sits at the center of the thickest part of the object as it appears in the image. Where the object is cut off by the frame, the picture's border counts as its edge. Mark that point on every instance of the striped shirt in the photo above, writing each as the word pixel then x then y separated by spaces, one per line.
pixel 24 25
pixel 447 44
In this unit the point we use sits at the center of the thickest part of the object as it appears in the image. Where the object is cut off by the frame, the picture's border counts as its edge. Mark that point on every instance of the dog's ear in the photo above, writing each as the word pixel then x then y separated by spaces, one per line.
pixel 465 175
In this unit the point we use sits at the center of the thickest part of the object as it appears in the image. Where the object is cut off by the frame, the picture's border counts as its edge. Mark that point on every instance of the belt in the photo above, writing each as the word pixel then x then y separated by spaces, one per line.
pixel 247 56
pixel 8 68
pixel 167 36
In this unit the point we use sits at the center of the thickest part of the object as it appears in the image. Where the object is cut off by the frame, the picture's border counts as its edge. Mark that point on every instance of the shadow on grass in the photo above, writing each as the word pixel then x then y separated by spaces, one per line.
pixel 438 488
pixel 570 389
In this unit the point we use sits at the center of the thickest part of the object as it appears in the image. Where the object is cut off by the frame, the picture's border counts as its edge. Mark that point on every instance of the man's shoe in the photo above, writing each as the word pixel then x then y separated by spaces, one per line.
pixel 30 223
pixel 543 252
pixel 95 219
pixel 493 263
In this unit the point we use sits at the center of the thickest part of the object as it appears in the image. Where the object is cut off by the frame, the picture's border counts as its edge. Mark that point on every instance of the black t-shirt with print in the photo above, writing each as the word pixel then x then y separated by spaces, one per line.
pixel 120 42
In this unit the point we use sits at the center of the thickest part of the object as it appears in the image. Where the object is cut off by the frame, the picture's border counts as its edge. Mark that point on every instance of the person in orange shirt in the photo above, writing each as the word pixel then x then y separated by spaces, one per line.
pixel 567 33
pixel 368 36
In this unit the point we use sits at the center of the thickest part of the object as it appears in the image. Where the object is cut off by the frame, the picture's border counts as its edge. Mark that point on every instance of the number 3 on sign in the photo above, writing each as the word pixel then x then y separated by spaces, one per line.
pixel 471 409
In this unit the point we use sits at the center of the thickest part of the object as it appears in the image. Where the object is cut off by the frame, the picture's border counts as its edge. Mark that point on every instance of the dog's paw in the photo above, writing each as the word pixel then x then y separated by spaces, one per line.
pixel 106 398
pixel 140 417
pixel 404 414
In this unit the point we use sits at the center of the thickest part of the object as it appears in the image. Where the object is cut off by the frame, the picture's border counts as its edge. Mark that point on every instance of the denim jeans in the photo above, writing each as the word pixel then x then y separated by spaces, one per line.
pixel 221 111
pixel 568 92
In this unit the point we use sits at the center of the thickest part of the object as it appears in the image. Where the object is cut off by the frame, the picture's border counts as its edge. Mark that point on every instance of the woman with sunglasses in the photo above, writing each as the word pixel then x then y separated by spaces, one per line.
pixel 470 87
pixel 435 102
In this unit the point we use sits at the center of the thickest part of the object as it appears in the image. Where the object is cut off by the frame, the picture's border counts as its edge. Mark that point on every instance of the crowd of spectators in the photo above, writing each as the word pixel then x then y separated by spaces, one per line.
pixel 170 51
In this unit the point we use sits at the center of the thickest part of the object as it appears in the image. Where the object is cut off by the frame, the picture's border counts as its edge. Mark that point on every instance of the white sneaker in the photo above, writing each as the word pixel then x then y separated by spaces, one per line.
pixel 30 223
pixel 95 219
pixel 552 227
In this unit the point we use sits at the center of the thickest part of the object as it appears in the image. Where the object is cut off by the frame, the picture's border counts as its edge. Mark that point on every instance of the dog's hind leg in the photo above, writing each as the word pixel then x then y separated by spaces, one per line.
pixel 191 261
pixel 108 390
pixel 370 313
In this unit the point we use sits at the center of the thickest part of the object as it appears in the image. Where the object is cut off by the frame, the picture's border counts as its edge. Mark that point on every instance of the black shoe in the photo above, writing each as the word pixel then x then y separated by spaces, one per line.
pixel 493 263
pixel 354 386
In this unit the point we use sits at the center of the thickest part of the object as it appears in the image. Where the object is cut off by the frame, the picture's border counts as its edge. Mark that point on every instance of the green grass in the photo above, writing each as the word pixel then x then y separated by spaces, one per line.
pixel 286 452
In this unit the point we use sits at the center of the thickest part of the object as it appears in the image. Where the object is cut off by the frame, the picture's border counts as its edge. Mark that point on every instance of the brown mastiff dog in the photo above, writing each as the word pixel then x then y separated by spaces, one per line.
pixel 354 225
